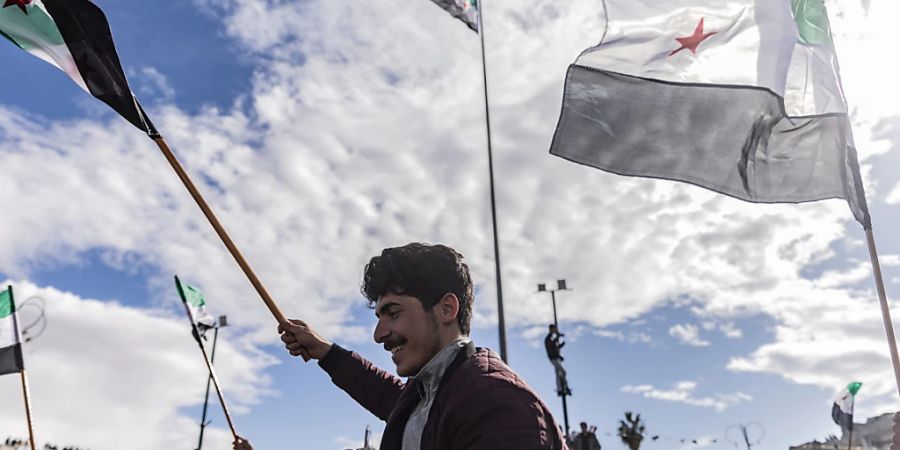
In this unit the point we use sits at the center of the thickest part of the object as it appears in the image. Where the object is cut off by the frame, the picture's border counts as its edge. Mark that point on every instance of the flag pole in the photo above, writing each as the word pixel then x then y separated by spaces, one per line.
pixel 25 392
pixel 220 230
pixel 28 409
pixel 501 322
pixel 212 371
pixel 885 310
pixel 850 435
pixel 212 359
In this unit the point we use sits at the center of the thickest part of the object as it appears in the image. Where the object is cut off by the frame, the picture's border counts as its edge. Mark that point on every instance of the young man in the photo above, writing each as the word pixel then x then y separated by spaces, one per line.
pixel 457 396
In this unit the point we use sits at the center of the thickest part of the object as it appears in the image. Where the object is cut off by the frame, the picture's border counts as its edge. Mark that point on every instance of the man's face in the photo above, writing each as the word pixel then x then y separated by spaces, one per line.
pixel 407 331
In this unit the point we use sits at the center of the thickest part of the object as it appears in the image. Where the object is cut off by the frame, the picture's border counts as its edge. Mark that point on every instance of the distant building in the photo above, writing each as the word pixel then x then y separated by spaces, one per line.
pixel 875 434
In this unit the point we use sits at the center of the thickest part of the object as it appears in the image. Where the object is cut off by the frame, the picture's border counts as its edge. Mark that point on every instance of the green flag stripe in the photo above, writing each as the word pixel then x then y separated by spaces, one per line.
pixel 192 295
pixel 10 39
pixel 33 30
pixel 6 305
pixel 38 34
pixel 854 387
pixel 812 21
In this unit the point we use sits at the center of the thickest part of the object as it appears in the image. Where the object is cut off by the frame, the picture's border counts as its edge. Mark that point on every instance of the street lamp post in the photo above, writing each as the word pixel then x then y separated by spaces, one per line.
pixel 560 286
pixel 222 322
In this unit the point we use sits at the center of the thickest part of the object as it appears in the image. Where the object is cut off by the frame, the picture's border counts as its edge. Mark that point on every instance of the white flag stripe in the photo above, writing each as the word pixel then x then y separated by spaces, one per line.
pixel 8 332
pixel 750 42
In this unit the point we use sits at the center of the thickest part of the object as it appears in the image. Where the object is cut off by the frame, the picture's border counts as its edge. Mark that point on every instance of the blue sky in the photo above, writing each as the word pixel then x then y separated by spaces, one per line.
pixel 322 132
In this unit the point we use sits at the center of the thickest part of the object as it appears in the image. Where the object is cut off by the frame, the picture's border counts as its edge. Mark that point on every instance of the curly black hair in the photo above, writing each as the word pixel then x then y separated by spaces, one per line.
pixel 426 272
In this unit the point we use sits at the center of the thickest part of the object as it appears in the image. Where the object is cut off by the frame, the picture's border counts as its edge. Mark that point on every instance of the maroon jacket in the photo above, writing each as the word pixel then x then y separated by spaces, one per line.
pixel 481 404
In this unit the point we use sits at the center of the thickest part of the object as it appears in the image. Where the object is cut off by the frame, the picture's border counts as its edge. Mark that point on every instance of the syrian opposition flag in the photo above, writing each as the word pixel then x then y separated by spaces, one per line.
pixel 74 36
pixel 465 10
pixel 842 411
pixel 742 97
pixel 195 305
pixel 10 343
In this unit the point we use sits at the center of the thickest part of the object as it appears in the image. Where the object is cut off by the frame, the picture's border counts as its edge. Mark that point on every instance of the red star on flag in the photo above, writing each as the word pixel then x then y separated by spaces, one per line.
pixel 691 42
pixel 20 3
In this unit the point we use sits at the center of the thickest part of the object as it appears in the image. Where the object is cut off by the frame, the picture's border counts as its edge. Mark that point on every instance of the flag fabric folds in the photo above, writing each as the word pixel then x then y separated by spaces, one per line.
pixel 464 10
pixel 74 36
pixel 196 307
pixel 842 411
pixel 742 97
pixel 10 343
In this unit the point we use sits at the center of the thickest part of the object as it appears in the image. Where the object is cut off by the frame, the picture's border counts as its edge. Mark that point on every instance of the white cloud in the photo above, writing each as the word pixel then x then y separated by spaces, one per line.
pixel 131 370
pixel 862 271
pixel 688 334
pixel 618 335
pixel 683 392
pixel 154 83
pixel 894 196
pixel 730 330
pixel 830 340
pixel 632 337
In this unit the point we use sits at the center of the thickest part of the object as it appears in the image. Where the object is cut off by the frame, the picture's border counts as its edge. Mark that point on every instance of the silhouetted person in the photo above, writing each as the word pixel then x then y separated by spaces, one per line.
pixel 553 344
pixel 587 439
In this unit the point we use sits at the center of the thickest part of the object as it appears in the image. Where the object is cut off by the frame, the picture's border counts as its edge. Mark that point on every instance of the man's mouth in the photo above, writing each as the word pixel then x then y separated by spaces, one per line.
pixel 396 349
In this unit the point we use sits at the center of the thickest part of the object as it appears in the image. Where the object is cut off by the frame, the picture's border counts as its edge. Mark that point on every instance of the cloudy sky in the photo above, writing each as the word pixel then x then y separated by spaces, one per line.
pixel 322 131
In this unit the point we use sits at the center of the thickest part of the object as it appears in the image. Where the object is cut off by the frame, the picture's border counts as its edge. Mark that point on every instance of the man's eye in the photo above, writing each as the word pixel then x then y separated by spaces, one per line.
pixel 394 314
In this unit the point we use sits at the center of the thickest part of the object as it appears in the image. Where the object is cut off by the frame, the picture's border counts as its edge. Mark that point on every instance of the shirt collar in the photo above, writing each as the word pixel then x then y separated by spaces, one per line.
pixel 431 373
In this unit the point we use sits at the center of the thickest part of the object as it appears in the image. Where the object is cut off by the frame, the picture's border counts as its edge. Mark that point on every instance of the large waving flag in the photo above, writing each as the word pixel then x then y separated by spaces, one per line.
pixel 10 345
pixel 74 36
pixel 842 410
pixel 742 97
pixel 465 10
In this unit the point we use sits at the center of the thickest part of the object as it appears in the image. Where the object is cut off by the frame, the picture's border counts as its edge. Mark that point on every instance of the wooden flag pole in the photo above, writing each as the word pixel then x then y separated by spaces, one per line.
pixel 28 409
pixel 212 374
pixel 209 366
pixel 25 393
pixel 885 310
pixel 220 230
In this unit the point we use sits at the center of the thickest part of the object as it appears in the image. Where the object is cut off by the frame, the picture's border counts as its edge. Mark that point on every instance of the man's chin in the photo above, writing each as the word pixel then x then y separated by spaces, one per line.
pixel 406 371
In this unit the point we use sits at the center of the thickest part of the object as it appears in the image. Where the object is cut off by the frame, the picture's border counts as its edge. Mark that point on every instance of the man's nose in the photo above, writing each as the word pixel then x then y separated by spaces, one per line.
pixel 381 332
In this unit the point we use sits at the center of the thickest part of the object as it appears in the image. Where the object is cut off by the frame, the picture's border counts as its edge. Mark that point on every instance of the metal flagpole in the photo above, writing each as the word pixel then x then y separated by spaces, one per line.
pixel 885 310
pixel 212 359
pixel 212 372
pixel 220 230
pixel 25 392
pixel 487 117
pixel 850 434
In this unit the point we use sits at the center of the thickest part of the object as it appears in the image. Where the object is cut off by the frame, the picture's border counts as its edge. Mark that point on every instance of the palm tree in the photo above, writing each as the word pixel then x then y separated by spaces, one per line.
pixel 631 430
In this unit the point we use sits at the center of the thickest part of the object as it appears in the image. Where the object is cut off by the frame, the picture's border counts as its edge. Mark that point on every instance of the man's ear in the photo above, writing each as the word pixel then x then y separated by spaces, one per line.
pixel 447 308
